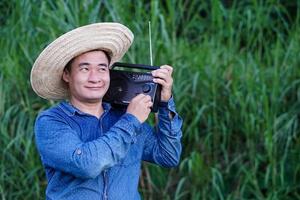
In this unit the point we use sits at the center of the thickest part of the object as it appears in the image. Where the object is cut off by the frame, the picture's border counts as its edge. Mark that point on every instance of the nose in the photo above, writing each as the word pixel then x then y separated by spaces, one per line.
pixel 94 76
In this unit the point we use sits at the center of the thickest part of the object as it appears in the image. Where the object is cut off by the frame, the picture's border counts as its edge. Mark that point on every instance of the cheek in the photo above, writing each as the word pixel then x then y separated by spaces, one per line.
pixel 106 78
pixel 77 81
pixel 81 78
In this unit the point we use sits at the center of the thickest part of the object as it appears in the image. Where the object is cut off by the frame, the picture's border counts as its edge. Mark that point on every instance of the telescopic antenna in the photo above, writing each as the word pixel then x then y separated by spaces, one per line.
pixel 150 44
pixel 151 62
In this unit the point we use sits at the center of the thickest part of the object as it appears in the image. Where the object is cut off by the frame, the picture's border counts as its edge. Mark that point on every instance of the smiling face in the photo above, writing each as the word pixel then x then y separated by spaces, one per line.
pixel 88 77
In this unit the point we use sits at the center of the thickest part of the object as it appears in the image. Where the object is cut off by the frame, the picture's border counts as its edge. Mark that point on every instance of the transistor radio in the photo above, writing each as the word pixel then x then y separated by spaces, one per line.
pixel 125 85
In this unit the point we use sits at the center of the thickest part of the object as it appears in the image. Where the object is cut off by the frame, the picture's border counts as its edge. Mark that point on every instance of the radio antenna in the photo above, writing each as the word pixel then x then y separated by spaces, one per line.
pixel 150 43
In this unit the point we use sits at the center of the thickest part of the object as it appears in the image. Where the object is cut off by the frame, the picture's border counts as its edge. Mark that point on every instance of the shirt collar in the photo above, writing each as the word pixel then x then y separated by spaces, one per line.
pixel 71 110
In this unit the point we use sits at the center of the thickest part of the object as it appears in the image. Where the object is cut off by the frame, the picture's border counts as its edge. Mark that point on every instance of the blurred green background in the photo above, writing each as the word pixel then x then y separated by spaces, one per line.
pixel 236 86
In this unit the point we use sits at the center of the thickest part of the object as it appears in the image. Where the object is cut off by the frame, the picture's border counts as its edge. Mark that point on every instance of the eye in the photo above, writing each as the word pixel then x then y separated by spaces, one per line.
pixel 84 69
pixel 102 68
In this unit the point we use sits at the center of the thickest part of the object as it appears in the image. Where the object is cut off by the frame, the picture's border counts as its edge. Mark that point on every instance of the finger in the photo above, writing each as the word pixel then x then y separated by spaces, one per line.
pixel 161 72
pixel 165 77
pixel 146 98
pixel 148 110
pixel 149 104
pixel 139 97
pixel 160 81
pixel 167 67
pixel 163 82
pixel 168 80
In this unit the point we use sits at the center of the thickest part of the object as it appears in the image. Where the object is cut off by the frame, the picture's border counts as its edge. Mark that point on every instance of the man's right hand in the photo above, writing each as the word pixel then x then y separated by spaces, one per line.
pixel 140 107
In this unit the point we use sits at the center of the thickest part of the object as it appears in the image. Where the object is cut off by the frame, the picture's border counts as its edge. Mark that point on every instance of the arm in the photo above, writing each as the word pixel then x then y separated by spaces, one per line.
pixel 164 147
pixel 61 148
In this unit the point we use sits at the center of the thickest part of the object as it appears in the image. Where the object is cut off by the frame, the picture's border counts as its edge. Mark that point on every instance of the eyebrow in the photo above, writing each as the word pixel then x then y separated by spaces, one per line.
pixel 86 63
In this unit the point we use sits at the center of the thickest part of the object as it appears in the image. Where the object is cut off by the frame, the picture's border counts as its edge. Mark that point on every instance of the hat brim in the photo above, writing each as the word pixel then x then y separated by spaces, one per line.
pixel 46 74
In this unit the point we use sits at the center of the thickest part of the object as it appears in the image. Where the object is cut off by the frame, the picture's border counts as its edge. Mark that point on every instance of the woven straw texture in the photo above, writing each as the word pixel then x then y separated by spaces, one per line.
pixel 46 74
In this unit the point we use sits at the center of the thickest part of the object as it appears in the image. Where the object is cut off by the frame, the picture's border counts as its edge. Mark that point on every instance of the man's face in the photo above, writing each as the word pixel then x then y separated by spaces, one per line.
pixel 88 78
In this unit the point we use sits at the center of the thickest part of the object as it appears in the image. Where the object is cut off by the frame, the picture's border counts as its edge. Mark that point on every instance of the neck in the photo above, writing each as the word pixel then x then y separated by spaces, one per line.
pixel 92 108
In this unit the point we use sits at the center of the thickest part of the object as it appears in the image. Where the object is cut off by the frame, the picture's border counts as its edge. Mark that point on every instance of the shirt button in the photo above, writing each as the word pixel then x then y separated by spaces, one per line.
pixel 78 151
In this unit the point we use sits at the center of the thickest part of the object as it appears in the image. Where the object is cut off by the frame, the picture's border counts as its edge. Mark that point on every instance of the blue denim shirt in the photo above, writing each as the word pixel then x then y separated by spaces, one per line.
pixel 87 158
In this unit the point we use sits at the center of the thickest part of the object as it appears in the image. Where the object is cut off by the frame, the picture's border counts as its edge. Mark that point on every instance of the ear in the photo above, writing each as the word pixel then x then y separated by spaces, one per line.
pixel 66 76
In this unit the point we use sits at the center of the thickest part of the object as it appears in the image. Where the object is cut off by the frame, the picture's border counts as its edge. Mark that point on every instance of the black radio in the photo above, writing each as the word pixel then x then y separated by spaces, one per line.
pixel 125 85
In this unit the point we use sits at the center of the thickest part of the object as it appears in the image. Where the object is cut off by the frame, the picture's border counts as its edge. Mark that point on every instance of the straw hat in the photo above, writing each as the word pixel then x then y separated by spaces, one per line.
pixel 46 74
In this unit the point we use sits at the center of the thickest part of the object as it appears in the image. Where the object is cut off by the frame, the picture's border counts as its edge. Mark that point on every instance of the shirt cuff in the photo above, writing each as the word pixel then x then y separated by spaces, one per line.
pixel 169 118
pixel 164 108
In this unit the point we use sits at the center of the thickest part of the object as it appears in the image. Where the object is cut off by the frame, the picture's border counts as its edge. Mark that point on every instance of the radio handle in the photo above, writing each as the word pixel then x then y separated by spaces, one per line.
pixel 135 66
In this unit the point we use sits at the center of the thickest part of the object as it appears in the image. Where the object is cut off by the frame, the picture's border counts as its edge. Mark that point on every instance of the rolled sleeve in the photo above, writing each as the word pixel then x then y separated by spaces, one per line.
pixel 163 146
pixel 174 123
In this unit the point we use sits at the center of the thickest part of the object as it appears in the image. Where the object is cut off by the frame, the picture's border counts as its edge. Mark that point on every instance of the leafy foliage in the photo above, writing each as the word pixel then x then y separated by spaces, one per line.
pixel 236 87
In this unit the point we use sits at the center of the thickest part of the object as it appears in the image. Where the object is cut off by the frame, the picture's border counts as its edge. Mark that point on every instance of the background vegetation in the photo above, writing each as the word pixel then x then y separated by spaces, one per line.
pixel 236 86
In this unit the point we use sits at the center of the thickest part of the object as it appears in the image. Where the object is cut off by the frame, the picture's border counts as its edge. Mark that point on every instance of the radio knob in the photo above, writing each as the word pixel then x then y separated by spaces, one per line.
pixel 146 88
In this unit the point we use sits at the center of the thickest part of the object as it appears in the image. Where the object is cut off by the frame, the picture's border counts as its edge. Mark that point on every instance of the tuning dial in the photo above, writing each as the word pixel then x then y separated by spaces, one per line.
pixel 146 88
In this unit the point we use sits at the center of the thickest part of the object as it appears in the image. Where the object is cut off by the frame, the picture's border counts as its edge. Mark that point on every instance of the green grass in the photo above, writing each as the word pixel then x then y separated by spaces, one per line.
pixel 237 83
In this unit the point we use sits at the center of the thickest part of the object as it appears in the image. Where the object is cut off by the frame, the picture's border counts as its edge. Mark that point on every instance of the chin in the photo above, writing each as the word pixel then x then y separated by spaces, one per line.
pixel 93 100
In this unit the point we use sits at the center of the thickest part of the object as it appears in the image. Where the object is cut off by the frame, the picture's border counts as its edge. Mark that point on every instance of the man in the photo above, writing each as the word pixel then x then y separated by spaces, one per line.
pixel 89 149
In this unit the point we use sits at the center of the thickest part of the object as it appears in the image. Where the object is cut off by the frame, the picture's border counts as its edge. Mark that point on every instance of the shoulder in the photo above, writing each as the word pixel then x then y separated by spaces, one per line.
pixel 51 119
pixel 54 112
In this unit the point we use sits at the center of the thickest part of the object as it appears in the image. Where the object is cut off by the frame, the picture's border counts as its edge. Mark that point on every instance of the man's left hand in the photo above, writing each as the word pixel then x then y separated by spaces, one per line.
pixel 163 76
